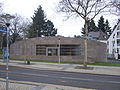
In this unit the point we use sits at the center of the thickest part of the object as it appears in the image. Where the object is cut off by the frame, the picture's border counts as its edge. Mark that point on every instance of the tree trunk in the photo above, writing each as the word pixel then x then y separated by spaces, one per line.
pixel 86 54
pixel 86 36
pixel 25 47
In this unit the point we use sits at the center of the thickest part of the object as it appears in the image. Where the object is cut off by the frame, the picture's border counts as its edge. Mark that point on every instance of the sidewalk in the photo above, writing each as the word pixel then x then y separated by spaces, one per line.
pixel 108 70
pixel 18 85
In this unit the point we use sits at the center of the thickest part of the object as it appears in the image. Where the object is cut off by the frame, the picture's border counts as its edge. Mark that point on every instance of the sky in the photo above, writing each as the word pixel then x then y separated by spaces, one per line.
pixel 67 28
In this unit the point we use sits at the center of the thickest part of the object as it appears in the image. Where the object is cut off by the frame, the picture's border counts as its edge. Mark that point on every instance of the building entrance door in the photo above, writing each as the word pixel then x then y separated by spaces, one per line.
pixel 52 51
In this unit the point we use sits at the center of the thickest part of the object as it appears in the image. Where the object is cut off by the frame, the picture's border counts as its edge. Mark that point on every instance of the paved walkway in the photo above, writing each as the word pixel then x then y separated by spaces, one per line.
pixel 18 85
pixel 108 70
pixel 54 66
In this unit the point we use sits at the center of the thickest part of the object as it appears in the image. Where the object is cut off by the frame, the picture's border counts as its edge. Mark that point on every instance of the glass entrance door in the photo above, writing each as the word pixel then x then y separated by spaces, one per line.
pixel 52 51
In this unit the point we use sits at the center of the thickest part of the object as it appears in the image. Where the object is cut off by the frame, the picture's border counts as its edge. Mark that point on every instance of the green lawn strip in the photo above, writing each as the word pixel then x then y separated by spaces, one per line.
pixel 1 52
pixel 96 63
pixel 46 61
pixel 105 64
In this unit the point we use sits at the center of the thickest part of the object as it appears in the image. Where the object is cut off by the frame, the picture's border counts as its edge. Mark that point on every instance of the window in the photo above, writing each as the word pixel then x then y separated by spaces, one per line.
pixel 113 43
pixel 53 50
pixel 118 28
pixel 114 36
pixel 107 42
pixel 70 50
pixel 40 50
pixel 118 34
pixel 118 42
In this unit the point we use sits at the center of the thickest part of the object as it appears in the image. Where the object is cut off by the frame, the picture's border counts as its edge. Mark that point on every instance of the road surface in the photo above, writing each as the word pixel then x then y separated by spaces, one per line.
pixel 75 79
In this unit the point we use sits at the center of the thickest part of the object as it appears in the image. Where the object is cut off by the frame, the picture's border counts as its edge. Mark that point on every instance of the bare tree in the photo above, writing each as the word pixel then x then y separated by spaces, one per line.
pixel 1 9
pixel 18 26
pixel 115 7
pixel 85 9
pixel 1 25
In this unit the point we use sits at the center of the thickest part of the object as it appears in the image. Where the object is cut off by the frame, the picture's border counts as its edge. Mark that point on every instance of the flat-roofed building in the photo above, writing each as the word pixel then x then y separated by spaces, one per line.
pixel 49 48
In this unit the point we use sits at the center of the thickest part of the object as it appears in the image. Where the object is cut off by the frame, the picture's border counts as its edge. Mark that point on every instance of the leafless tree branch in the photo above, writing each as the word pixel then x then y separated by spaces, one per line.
pixel 115 7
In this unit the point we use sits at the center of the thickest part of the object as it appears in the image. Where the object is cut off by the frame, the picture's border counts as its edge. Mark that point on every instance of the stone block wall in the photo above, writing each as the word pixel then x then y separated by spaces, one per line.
pixel 26 49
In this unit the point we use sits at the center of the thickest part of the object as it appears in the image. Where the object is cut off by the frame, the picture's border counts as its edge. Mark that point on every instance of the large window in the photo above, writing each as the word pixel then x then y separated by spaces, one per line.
pixel 43 49
pixel 53 50
pixel 40 50
pixel 70 50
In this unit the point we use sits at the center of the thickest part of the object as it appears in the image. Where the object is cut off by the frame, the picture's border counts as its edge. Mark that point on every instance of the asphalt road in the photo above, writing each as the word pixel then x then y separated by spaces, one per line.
pixel 82 80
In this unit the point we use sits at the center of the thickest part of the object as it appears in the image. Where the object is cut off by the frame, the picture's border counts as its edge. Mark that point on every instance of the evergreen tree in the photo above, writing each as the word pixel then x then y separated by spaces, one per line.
pixel 83 31
pixel 108 28
pixel 91 27
pixel 41 26
pixel 49 29
pixel 104 26
pixel 38 23
pixel 101 24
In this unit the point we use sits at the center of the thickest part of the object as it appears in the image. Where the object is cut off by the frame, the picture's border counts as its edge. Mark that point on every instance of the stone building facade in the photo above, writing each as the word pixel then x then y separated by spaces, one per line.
pixel 55 48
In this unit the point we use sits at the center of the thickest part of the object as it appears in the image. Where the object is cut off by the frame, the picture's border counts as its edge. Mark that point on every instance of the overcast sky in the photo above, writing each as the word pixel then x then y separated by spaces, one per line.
pixel 70 27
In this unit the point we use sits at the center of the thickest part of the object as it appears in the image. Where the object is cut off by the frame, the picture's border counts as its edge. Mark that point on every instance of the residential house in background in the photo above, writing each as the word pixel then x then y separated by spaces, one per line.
pixel 113 43
pixel 52 48
pixel 99 36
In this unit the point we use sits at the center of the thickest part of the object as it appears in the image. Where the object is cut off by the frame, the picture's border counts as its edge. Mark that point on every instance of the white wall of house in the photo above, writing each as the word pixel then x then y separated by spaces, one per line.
pixel 113 43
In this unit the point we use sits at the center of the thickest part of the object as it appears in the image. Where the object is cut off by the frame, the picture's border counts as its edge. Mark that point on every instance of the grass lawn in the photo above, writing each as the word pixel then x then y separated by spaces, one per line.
pixel 47 61
pixel 96 63
pixel 105 64
pixel 1 52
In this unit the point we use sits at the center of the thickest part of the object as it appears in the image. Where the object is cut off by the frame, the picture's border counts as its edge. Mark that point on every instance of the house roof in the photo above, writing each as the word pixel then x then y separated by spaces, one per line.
pixel 99 35
pixel 94 34
pixel 2 24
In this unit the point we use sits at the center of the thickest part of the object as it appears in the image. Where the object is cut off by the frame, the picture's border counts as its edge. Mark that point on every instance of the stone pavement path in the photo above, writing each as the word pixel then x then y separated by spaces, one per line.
pixel 14 86
pixel 32 86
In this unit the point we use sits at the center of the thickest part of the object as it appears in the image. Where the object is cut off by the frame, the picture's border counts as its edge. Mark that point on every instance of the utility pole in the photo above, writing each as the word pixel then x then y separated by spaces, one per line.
pixel 7 18
pixel 59 50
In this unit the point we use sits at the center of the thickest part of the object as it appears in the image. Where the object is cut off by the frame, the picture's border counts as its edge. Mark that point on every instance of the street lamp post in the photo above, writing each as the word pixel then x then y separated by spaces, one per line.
pixel 7 18
pixel 59 50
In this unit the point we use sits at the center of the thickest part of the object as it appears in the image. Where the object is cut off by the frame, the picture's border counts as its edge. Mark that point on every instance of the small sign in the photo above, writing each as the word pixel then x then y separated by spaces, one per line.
pixel 3 29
